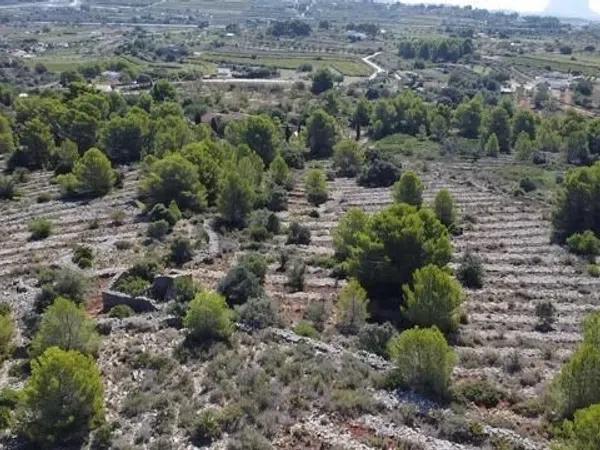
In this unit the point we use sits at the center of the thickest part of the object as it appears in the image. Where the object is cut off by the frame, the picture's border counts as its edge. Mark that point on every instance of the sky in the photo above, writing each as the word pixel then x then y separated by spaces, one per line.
pixel 513 5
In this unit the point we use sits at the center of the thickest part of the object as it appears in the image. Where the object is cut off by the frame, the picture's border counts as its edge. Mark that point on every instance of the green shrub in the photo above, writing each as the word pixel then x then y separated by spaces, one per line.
pixel 316 313
pixel 277 198
pixel 444 208
pixel 7 333
pixel 352 402
pixel 92 175
pixel 298 234
pixel 532 408
pixel 265 221
pixel 67 326
pixel 8 189
pixel 208 318
pixel 492 146
pixel 40 229
pixel 378 172
pixel 117 218
pixel 207 428
pixel 295 275
pixel 546 314
pixel 9 402
pixel 63 398
pixel 346 233
pixel 524 148
pixel 239 285
pixel 83 256
pixel 409 190
pixel 352 307
pixel 321 132
pixel 424 361
pixel 323 80
pixel 480 392
pixel 470 272
pixel 456 428
pixel 259 133
pixel 63 158
pixel 180 251
pixel 171 215
pixel 44 197
pixel 594 270
pixel 258 313
pixel 65 283
pixel 280 173
pixel 293 156
pixel 121 312
pixel 258 233
pixel 315 184
pixel 185 289
pixel 146 268
pixel 132 285
pixel 306 329
pixel 255 263
pixel 36 145
pixel 584 244
pixel 434 299
pixel 348 158
pixel 527 184
pixel 236 200
pixel 583 433
pixel 513 363
pixel 374 337
pixel 174 178
pixel 158 230
pixel 123 244
pixel 571 389
pixel 5 309
pixel 249 438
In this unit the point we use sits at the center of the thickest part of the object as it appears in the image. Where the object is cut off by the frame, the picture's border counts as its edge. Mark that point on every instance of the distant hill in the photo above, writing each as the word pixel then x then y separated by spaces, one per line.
pixel 572 8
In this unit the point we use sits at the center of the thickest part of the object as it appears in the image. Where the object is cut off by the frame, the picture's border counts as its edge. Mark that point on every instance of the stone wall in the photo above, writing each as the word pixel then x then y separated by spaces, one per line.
pixel 111 299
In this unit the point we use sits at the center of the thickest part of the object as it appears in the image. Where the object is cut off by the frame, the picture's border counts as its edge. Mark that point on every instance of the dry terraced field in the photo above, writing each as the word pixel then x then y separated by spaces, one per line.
pixel 510 234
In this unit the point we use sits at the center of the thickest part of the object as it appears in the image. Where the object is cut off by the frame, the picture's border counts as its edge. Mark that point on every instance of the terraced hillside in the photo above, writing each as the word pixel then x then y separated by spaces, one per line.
pixel 109 226
pixel 499 343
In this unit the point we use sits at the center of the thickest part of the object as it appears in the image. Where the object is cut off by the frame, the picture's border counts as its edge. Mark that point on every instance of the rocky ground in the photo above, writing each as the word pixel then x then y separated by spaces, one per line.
pixel 294 389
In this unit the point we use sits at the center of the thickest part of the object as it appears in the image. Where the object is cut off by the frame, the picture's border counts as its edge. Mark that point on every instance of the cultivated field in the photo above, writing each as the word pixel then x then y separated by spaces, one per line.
pixel 345 66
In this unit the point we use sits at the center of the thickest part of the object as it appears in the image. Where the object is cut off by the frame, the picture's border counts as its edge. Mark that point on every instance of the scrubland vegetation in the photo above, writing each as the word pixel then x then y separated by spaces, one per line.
pixel 288 252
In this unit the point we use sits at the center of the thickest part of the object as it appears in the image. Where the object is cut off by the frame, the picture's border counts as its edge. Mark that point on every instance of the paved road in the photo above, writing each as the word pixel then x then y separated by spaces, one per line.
pixel 248 80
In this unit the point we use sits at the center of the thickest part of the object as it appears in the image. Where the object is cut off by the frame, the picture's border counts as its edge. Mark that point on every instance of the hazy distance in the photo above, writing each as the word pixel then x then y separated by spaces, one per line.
pixel 567 8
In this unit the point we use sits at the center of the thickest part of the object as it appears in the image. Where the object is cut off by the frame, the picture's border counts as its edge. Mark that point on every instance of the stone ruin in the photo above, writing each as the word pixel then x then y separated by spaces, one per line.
pixel 162 290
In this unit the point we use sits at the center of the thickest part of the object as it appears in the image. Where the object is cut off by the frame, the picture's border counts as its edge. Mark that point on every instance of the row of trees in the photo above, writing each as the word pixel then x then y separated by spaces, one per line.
pixel 436 49
pixel 290 28
pixel 125 131
pixel 499 129
pixel 185 162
